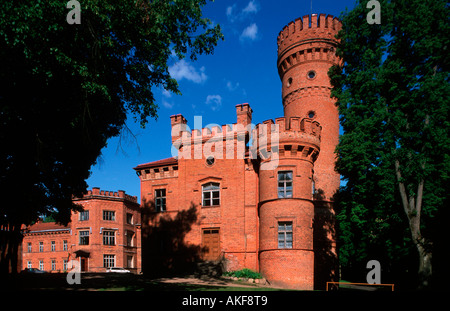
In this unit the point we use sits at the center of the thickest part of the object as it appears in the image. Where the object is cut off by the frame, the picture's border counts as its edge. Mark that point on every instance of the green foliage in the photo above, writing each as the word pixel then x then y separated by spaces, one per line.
pixel 392 92
pixel 65 89
pixel 244 273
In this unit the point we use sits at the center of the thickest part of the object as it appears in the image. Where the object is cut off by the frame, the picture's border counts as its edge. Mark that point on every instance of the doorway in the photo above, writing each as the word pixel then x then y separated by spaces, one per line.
pixel 211 244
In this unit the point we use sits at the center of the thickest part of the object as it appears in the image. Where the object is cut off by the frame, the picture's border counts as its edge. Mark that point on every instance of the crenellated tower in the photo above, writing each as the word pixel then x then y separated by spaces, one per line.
pixel 297 236
pixel 306 51
pixel 286 209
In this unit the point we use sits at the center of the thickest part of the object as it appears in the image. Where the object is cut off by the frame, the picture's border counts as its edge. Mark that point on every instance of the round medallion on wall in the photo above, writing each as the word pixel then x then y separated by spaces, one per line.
pixel 311 114
pixel 210 161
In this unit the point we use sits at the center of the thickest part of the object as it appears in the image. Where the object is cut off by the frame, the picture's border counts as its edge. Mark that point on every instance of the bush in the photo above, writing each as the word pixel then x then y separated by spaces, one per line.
pixel 244 273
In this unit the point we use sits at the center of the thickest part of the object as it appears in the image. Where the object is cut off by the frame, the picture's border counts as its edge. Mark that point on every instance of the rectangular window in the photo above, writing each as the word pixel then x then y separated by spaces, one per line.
pixel 84 215
pixel 211 194
pixel 41 265
pixel 130 238
pixel 129 218
pixel 109 261
pixel 29 265
pixel 129 261
pixel 53 246
pixel 109 237
pixel 65 261
pixel 41 247
pixel 285 234
pixel 29 247
pixel 160 200
pixel 109 215
pixel 64 245
pixel 53 267
pixel 285 184
pixel 84 237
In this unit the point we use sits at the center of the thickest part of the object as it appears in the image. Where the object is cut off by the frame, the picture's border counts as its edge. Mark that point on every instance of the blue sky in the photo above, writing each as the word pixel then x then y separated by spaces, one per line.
pixel 241 70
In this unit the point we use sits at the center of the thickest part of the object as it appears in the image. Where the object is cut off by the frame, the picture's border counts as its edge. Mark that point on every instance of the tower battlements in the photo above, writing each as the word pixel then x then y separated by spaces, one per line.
pixel 293 128
pixel 293 136
pixel 311 39
pixel 310 28
pixel 96 193
pixel 215 132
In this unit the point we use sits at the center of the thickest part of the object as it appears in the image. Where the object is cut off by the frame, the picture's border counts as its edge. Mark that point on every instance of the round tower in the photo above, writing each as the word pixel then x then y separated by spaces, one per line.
pixel 286 209
pixel 306 51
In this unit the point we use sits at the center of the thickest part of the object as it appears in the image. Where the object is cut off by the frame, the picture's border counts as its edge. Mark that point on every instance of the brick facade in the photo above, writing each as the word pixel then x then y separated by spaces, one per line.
pixel 261 198
pixel 111 217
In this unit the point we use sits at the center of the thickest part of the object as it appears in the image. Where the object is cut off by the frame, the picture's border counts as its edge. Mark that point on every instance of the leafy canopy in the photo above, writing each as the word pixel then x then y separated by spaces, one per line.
pixel 392 93
pixel 65 89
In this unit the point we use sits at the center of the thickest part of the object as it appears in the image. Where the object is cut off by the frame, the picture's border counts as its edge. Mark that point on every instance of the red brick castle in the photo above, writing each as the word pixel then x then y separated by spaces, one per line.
pixel 257 197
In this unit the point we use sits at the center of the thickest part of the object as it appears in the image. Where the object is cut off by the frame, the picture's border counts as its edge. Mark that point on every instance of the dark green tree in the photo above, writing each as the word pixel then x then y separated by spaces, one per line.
pixel 66 88
pixel 393 96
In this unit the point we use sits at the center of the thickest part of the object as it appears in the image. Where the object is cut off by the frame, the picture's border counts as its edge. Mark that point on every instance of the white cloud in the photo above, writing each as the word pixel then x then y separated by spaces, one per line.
pixel 232 87
pixel 166 93
pixel 250 32
pixel 233 15
pixel 167 104
pixel 229 11
pixel 214 101
pixel 183 70
pixel 252 7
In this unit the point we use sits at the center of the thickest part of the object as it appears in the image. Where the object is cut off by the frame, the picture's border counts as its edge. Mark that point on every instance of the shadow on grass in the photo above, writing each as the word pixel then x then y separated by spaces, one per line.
pixel 115 282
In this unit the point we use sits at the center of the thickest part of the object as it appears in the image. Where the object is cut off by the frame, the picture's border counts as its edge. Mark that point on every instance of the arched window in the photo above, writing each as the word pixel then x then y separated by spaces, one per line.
pixel 211 194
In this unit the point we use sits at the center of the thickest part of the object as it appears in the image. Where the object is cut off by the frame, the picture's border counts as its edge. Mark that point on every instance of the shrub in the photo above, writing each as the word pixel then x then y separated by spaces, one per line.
pixel 244 273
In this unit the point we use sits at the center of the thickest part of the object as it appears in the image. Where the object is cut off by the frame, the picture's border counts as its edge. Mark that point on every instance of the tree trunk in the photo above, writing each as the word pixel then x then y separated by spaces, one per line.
pixel 413 206
pixel 425 266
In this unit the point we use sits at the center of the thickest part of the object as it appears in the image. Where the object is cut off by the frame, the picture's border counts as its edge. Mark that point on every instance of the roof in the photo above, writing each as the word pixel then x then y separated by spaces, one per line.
pixel 163 162
pixel 46 226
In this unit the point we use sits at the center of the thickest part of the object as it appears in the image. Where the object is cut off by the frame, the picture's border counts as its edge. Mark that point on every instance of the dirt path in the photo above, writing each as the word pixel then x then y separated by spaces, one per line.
pixel 207 281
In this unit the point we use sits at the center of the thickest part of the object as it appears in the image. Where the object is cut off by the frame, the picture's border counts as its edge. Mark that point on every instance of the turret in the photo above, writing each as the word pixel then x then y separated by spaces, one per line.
pixel 306 51
pixel 286 209
pixel 296 224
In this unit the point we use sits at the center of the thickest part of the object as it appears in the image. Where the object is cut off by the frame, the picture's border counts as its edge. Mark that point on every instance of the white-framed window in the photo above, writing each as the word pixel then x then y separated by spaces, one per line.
pixel 84 237
pixel 109 237
pixel 285 184
pixel 130 235
pixel 29 248
pixel 53 266
pixel 29 264
pixel 84 215
pixel 65 262
pixel 41 247
pixel 109 261
pixel 129 218
pixel 211 194
pixel 160 200
pixel 41 265
pixel 64 245
pixel 285 234
pixel 53 246
pixel 130 261
pixel 109 215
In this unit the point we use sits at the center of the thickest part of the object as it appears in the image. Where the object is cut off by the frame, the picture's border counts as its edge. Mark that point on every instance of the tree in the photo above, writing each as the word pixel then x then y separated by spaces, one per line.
pixel 66 88
pixel 393 90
